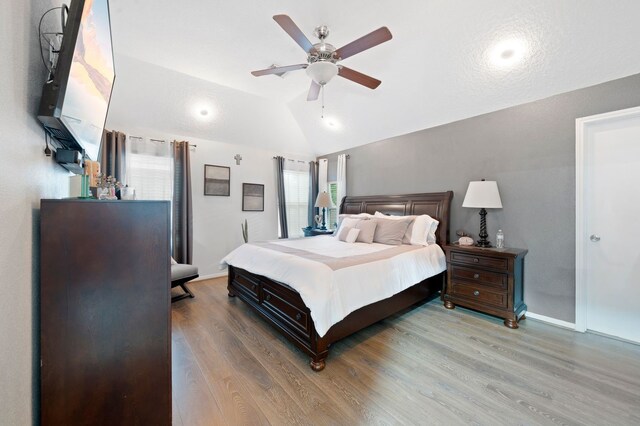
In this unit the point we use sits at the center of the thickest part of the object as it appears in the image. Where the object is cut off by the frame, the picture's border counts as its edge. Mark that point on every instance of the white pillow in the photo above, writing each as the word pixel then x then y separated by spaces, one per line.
pixel 422 229
pixel 346 221
pixel 348 235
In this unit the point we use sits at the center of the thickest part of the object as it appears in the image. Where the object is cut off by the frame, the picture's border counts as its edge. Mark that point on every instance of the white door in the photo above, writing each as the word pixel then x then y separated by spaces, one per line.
pixel 611 224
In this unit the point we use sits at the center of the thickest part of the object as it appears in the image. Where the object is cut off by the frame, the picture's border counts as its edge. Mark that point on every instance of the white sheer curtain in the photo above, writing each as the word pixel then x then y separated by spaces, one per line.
pixel 296 189
pixel 150 168
pixel 323 165
pixel 341 179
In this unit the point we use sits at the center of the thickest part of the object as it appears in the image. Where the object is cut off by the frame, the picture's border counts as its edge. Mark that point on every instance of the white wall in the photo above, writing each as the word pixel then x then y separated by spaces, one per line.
pixel 217 220
pixel 26 176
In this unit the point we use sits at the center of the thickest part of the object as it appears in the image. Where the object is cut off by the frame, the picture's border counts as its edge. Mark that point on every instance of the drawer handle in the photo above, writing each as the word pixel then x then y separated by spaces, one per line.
pixel 298 316
pixel 475 260
pixel 476 276
pixel 268 297
pixel 476 293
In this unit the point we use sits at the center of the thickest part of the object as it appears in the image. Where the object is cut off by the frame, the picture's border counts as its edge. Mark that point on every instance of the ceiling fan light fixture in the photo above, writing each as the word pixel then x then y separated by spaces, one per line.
pixel 322 72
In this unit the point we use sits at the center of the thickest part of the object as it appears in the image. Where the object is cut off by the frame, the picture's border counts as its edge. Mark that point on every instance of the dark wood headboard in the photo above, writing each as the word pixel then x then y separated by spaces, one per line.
pixel 435 204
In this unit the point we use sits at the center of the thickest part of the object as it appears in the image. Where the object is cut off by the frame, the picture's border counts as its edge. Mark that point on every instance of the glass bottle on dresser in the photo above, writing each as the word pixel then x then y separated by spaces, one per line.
pixel 500 239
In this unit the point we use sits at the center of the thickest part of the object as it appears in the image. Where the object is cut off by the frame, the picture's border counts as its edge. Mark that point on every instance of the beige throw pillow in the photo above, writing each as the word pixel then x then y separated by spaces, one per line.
pixel 367 231
pixel 389 231
pixel 348 235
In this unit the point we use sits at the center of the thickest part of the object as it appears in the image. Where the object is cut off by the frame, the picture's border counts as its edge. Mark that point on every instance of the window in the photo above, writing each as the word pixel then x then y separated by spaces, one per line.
pixel 296 190
pixel 332 213
pixel 150 170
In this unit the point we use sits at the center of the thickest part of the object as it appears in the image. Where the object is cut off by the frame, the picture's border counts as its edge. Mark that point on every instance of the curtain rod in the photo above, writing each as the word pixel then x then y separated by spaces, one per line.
pixel 348 156
pixel 157 140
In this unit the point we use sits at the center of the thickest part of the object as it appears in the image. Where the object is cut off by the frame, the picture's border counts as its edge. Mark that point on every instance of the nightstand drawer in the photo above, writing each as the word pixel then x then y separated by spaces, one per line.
pixel 479 294
pixel 478 260
pixel 487 278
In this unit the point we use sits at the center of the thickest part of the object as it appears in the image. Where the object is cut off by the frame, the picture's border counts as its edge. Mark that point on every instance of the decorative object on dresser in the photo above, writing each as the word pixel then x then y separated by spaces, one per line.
pixel 488 280
pixel 252 197
pixel 483 195
pixel 105 323
pixel 324 202
pixel 217 180
pixel 283 307
pixel 317 231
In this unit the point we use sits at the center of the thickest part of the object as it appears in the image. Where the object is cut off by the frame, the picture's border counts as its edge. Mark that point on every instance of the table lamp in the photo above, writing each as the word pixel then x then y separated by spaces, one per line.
pixel 324 202
pixel 483 195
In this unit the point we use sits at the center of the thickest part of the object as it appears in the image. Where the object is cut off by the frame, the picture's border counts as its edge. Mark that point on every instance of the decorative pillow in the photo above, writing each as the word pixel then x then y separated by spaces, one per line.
pixel 348 235
pixel 406 239
pixel 346 221
pixel 421 232
pixel 343 216
pixel 367 230
pixel 389 231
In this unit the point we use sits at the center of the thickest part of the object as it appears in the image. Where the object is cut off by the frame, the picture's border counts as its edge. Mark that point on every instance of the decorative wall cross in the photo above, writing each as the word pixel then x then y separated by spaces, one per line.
pixel 238 158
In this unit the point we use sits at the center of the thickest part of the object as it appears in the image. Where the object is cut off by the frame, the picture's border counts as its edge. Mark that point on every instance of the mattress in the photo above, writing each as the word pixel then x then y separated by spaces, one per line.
pixel 335 278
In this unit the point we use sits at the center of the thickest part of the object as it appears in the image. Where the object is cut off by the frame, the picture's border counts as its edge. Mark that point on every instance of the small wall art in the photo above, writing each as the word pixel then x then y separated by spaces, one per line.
pixel 252 197
pixel 217 180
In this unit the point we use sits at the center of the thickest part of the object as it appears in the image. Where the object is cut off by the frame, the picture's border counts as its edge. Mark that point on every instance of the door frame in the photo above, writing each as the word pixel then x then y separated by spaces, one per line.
pixel 582 176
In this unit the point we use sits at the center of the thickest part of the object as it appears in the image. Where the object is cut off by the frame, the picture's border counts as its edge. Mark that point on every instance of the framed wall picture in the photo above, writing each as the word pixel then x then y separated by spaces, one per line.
pixel 252 197
pixel 217 180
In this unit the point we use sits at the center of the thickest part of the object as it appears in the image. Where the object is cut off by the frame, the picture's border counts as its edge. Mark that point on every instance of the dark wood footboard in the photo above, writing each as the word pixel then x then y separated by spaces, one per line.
pixel 284 309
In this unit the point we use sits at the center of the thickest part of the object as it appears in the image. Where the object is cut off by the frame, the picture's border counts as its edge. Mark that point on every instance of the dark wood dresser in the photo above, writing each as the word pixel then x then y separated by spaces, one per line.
pixel 489 280
pixel 105 323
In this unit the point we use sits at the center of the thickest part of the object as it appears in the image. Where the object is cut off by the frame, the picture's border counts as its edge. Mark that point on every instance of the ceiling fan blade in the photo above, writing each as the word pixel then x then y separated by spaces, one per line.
pixel 292 29
pixel 358 77
pixel 279 70
pixel 314 91
pixel 363 43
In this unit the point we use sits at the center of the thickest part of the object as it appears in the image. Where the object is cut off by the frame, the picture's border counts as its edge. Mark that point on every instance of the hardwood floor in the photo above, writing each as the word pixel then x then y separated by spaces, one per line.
pixel 426 366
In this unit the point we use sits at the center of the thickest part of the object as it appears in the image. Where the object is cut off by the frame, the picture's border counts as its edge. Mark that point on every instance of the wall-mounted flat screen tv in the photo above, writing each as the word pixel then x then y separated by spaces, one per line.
pixel 76 99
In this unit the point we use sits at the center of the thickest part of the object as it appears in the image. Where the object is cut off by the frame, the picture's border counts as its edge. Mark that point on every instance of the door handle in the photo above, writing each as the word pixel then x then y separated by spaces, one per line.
pixel 595 238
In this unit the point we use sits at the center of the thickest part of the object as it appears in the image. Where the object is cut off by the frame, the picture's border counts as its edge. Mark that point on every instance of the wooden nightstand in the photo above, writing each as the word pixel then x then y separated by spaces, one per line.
pixel 489 280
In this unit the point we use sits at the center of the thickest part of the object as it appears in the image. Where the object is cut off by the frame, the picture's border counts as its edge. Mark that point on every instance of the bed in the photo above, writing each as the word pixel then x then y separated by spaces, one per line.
pixel 283 307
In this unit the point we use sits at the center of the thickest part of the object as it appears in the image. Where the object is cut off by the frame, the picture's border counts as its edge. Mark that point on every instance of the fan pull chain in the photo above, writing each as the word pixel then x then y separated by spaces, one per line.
pixel 322 111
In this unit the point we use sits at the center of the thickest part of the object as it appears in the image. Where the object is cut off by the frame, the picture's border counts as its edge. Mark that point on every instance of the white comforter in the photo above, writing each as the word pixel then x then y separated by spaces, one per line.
pixel 331 294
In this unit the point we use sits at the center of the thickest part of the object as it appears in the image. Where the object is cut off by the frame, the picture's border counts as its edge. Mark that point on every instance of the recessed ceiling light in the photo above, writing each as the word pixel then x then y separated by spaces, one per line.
pixel 331 123
pixel 203 111
pixel 508 53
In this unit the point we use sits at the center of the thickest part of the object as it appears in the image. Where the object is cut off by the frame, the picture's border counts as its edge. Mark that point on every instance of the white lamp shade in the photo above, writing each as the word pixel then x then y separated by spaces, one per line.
pixel 324 200
pixel 482 195
pixel 322 72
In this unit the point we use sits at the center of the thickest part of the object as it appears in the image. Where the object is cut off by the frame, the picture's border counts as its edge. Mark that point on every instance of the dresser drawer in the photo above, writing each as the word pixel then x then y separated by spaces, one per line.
pixel 487 278
pixel 479 260
pixel 286 311
pixel 479 294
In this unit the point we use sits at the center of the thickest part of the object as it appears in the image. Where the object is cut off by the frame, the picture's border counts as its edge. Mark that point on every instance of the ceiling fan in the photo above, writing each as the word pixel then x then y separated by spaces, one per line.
pixel 322 58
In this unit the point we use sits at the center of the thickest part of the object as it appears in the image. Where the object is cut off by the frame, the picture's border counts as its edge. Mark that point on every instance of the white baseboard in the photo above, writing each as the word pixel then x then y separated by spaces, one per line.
pixel 208 277
pixel 552 321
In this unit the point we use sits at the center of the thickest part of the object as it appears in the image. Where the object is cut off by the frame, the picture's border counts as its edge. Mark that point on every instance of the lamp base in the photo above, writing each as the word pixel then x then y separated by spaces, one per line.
pixel 483 242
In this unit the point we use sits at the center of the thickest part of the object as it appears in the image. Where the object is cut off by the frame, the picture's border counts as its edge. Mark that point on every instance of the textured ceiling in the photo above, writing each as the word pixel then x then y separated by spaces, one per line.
pixel 435 70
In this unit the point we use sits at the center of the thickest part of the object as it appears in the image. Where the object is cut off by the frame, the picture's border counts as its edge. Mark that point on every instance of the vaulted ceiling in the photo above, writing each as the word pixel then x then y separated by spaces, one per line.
pixel 174 57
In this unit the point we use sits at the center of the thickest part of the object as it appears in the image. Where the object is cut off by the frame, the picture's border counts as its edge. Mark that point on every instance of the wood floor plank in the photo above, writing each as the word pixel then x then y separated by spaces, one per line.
pixel 427 365
pixel 196 405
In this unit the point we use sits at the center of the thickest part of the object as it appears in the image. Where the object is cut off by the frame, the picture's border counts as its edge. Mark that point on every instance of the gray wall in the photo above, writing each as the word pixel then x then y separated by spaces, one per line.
pixel 529 150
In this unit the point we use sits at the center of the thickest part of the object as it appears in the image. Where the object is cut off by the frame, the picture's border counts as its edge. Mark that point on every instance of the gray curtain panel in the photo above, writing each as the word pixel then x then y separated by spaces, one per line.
pixel 112 156
pixel 313 192
pixel 282 207
pixel 182 204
